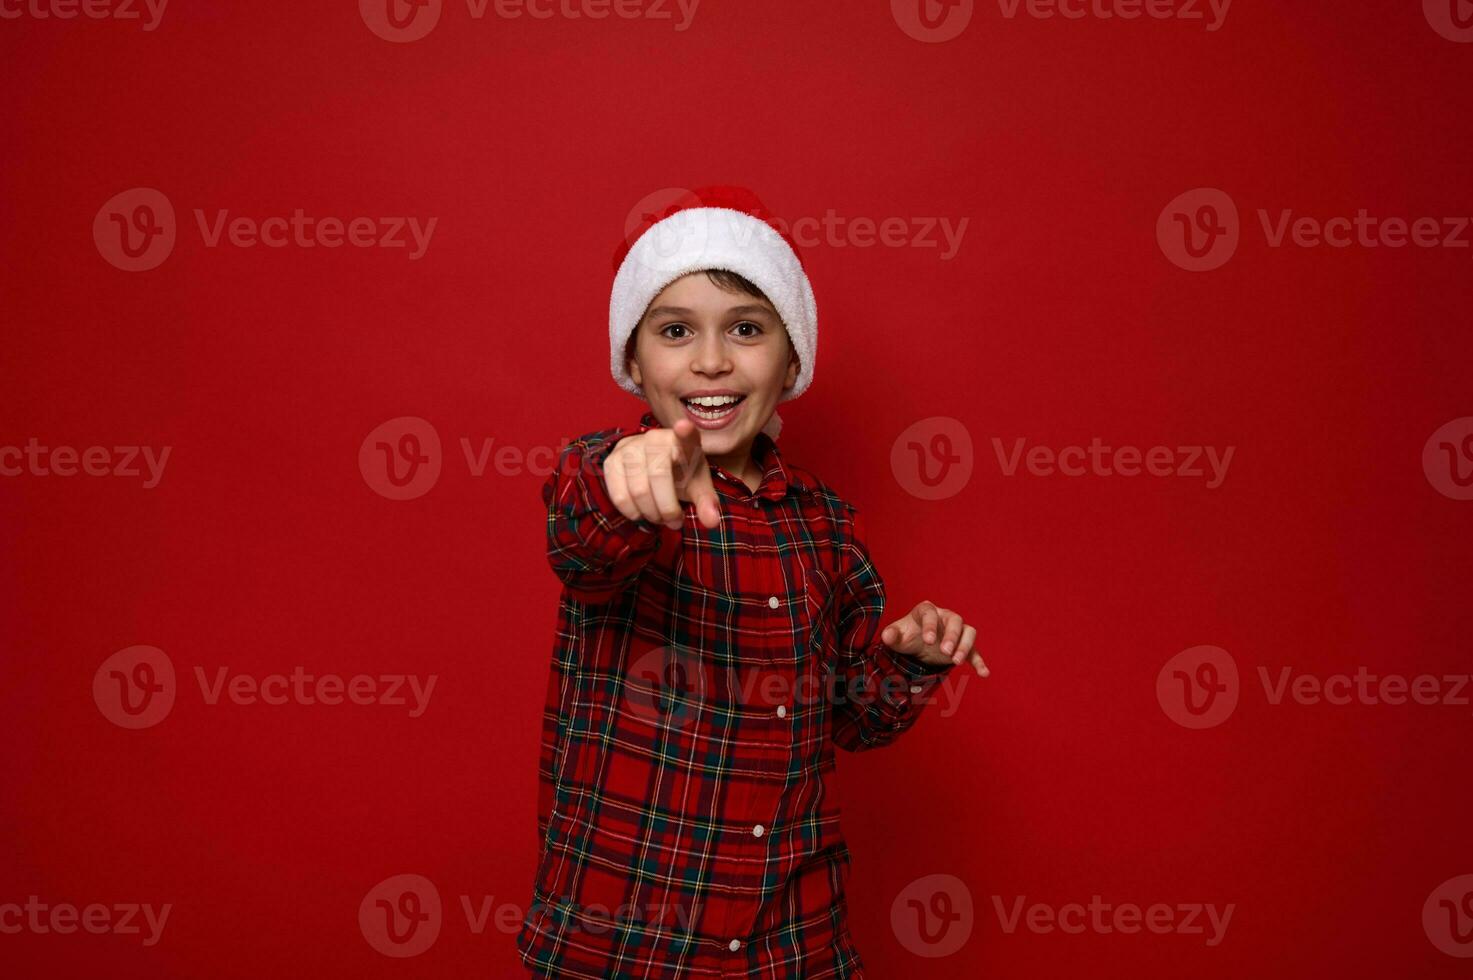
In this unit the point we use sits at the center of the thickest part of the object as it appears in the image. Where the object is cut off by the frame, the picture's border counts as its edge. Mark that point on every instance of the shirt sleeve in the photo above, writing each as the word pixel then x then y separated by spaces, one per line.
pixel 879 693
pixel 593 548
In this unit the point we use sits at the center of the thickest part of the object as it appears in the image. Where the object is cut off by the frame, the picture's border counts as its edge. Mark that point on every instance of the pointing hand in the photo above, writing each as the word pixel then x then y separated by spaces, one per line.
pixel 649 474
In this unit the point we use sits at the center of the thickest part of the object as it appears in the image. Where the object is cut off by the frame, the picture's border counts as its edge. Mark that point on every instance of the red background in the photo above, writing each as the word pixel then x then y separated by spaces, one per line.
pixel 1060 319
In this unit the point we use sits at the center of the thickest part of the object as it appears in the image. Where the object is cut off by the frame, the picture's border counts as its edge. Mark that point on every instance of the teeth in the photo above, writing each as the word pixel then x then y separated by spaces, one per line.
pixel 713 401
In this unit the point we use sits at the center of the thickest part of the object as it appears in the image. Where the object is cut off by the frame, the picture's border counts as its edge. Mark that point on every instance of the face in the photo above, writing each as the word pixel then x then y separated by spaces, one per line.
pixel 699 340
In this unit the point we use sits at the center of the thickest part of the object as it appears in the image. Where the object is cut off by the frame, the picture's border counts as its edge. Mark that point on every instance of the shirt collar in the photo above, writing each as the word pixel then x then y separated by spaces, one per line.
pixel 777 477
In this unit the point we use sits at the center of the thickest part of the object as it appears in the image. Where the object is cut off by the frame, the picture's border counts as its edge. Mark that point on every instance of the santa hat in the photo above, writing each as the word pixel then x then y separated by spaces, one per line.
pixel 720 227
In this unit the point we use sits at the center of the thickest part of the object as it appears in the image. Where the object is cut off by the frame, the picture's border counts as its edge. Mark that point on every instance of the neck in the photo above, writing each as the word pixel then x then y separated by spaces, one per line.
pixel 739 465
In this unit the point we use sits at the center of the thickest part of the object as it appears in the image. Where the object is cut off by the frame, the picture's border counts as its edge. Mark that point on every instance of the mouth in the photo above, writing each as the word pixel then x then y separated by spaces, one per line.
pixel 713 411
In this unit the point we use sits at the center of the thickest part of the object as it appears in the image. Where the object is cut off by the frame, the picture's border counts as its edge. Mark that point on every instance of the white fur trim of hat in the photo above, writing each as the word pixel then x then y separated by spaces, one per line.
pixel 713 228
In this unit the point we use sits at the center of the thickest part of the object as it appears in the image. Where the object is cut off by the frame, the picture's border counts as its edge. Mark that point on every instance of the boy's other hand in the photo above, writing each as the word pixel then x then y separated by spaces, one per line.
pixel 934 635
pixel 649 474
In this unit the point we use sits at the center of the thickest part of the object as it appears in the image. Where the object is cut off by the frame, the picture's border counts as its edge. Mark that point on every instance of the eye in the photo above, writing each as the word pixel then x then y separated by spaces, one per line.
pixel 757 327
pixel 673 326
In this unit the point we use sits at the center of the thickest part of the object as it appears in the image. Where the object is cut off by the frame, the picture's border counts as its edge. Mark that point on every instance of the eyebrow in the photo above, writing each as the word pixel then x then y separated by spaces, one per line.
pixel 683 311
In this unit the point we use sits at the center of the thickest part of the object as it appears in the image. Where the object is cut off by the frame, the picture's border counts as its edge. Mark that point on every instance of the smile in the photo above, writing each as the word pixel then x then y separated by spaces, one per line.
pixel 713 411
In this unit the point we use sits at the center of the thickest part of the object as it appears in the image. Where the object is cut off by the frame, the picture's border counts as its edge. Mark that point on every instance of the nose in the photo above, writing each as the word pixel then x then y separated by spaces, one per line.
pixel 709 354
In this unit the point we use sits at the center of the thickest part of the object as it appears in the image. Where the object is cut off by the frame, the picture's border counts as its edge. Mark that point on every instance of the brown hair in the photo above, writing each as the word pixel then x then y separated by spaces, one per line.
pixel 723 279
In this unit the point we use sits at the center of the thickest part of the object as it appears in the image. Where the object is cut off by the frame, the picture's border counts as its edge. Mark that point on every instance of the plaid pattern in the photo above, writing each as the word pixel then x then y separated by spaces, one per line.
pixel 700 680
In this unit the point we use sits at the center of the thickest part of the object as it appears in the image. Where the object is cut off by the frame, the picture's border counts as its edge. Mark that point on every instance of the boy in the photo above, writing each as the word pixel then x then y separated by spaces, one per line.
pixel 717 635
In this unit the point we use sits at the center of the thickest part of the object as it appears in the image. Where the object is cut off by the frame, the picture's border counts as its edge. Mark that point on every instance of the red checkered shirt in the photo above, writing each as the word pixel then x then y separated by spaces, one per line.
pixel 700 680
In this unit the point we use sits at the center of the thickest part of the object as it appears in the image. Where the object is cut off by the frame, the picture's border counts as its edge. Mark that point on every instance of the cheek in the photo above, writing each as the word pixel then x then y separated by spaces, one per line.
pixel 658 373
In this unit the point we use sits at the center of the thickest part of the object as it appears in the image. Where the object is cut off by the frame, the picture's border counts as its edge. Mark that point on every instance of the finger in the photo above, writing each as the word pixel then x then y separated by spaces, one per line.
pixel 639 487
pixel 927 619
pixel 978 664
pixel 965 647
pixel 618 486
pixel 662 487
pixel 687 440
pixel 904 630
pixel 951 633
pixel 702 494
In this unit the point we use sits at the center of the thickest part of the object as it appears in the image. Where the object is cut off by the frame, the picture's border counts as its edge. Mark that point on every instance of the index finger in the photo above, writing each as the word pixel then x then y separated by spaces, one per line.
pixel 703 495
pixel 687 439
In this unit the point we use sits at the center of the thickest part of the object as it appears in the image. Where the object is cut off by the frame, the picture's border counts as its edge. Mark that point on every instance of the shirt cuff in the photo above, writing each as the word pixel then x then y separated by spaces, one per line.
pixel 917 674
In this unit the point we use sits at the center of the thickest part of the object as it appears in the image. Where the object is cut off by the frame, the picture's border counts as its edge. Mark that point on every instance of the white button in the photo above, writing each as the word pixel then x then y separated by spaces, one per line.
pixel 756 503
pixel 772 601
pixel 915 689
pixel 734 945
pixel 757 830
pixel 782 711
